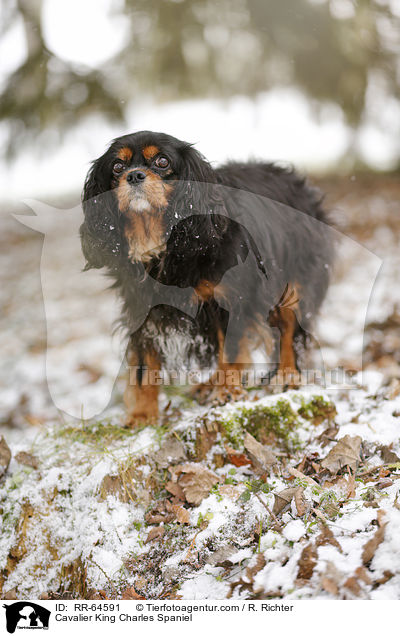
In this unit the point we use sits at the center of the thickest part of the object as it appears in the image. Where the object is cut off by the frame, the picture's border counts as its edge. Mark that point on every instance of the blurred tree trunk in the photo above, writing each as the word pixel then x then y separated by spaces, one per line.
pixel 31 11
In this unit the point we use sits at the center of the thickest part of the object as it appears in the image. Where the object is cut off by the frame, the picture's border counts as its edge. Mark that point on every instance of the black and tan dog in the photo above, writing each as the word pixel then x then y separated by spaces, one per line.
pixel 154 207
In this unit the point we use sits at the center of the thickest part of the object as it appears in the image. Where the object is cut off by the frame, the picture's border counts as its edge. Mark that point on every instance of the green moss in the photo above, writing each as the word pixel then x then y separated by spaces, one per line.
pixel 93 432
pixel 268 424
pixel 317 410
pixel 182 394
pixel 234 431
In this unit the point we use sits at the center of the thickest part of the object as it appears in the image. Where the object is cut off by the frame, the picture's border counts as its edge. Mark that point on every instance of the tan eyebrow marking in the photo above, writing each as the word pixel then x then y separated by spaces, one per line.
pixel 125 154
pixel 149 152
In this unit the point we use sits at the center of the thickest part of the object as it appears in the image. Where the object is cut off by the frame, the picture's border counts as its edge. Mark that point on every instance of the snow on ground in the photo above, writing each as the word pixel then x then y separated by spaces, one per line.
pixel 77 518
pixel 92 510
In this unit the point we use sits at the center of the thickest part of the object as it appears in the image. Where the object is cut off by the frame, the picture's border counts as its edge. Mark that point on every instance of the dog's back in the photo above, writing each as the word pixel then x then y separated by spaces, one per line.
pixel 285 216
pixel 274 182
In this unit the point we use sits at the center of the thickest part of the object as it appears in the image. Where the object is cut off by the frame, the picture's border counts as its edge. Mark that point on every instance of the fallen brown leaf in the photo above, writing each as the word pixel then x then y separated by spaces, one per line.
pixel 326 537
pixel 384 483
pixel 338 481
pixel 171 452
pixel 321 516
pixel 205 440
pixel 236 458
pixel 351 486
pixel 26 459
pixel 261 456
pixel 353 586
pixel 300 501
pixel 328 435
pixel 5 456
pixel 362 574
pixel 283 499
pixel 387 454
pixel 329 585
pixel 97 595
pixel 181 513
pixel 155 533
pixel 221 555
pixel 252 570
pixel 195 480
pixel 160 513
pixel 175 489
pixel 11 595
pixel 307 562
pixel 246 582
pixel 387 575
pixel 331 579
pixel 346 452
pixel 372 545
pixel 130 594
pixel 295 472
pixel 309 464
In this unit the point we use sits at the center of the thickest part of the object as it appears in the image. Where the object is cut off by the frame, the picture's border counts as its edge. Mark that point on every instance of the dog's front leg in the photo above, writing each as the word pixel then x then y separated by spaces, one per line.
pixel 284 317
pixel 227 381
pixel 141 393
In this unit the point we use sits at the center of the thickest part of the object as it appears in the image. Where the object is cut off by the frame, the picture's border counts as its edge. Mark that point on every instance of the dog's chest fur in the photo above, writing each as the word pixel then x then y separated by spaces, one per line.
pixel 145 234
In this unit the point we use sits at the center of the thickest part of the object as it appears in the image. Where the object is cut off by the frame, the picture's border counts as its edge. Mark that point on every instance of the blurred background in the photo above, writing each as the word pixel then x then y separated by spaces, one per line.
pixel 312 82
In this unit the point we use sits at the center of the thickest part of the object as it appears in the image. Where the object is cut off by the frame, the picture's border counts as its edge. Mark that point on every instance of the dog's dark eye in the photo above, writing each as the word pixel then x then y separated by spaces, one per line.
pixel 162 162
pixel 118 167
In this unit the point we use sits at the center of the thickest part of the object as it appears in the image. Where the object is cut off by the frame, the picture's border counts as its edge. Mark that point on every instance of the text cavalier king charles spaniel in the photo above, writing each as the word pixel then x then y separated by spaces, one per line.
pixel 209 263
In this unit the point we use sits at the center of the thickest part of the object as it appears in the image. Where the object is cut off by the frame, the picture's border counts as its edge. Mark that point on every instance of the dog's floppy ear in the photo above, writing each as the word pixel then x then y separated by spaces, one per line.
pixel 195 166
pixel 197 194
pixel 101 232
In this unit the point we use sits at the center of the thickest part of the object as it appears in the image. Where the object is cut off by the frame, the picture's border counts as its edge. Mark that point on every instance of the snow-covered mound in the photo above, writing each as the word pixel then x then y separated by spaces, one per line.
pixel 291 495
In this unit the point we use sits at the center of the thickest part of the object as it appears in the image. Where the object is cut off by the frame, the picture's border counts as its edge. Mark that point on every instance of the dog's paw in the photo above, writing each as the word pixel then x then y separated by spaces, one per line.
pixel 142 418
pixel 201 392
pixel 290 379
pixel 222 394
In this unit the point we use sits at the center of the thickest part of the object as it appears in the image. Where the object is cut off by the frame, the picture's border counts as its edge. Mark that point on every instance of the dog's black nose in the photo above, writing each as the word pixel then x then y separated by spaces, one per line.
pixel 136 176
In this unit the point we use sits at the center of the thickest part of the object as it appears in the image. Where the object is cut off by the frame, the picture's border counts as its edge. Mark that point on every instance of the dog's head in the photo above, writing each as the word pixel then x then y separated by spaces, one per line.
pixel 142 187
